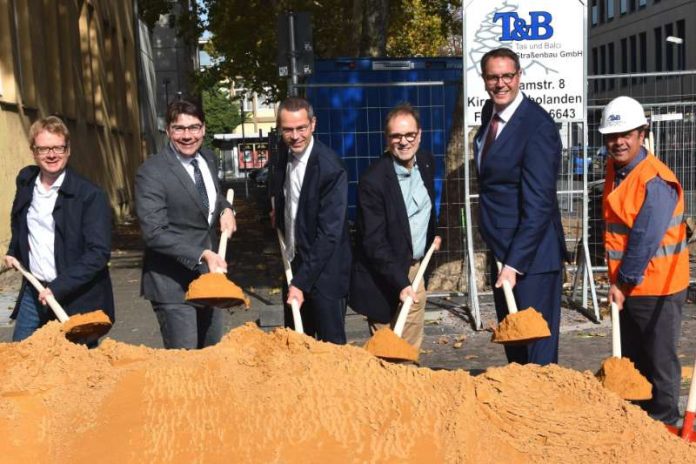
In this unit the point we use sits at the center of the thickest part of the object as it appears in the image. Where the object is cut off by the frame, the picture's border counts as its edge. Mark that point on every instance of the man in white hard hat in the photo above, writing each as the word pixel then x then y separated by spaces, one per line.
pixel 647 256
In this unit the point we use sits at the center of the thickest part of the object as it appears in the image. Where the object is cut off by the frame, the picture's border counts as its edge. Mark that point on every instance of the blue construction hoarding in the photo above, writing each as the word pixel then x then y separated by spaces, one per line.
pixel 351 98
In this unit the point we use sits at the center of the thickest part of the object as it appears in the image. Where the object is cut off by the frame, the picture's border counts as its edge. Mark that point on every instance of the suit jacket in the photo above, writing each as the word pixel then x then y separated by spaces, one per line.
pixel 384 250
pixel 519 216
pixel 322 244
pixel 174 225
pixel 82 246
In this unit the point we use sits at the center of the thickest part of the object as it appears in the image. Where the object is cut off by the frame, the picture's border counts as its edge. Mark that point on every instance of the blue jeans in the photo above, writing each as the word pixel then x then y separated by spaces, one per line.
pixel 31 316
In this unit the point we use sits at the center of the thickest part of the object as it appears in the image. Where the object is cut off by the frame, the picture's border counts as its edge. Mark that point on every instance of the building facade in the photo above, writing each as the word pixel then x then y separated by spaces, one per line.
pixel 75 59
pixel 642 36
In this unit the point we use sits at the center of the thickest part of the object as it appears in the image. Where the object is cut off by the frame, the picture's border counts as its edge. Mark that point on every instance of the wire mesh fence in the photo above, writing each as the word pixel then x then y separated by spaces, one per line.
pixel 350 120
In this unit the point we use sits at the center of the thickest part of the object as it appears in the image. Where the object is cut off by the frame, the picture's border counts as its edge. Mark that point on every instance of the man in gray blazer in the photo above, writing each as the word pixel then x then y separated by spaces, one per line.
pixel 180 206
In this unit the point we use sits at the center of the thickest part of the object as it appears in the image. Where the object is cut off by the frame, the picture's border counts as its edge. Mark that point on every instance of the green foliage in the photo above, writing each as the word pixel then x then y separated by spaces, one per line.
pixel 222 114
pixel 421 27
pixel 244 33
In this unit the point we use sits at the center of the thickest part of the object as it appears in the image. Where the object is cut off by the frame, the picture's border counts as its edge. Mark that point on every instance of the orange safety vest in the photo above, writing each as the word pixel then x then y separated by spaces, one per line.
pixel 667 271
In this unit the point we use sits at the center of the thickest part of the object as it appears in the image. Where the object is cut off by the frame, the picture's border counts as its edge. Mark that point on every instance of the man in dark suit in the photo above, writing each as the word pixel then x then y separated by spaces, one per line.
pixel 518 153
pixel 310 207
pixel 395 226
pixel 180 207
pixel 61 233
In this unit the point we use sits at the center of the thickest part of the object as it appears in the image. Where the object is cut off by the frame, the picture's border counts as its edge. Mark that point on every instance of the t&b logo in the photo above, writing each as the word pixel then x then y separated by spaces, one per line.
pixel 517 29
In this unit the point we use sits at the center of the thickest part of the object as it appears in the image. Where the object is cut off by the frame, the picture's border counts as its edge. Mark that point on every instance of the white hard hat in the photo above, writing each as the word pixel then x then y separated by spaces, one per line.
pixel 622 114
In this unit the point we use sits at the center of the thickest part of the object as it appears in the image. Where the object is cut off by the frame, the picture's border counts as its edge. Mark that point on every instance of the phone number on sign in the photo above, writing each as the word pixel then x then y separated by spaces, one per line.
pixel 562 113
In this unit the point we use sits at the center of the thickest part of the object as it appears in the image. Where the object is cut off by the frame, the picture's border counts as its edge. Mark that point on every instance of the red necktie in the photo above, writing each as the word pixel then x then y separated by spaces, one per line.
pixel 490 137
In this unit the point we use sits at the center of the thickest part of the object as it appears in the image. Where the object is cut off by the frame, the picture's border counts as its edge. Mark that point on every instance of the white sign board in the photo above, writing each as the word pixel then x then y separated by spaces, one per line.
pixel 548 35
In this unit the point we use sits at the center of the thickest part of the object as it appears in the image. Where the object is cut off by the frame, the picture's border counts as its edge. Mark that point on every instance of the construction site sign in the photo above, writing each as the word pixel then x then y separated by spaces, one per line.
pixel 549 37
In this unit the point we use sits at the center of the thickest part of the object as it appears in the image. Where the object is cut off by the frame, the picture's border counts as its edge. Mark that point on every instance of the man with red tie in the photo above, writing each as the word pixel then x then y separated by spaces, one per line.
pixel 518 154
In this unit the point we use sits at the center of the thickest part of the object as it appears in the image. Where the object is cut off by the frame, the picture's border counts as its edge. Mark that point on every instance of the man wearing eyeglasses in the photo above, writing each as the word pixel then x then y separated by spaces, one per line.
pixel 310 200
pixel 61 233
pixel 518 153
pixel 180 208
pixel 395 225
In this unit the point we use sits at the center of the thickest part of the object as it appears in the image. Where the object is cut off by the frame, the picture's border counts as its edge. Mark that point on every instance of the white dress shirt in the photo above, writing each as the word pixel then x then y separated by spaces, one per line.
pixel 294 177
pixel 207 179
pixel 504 116
pixel 42 229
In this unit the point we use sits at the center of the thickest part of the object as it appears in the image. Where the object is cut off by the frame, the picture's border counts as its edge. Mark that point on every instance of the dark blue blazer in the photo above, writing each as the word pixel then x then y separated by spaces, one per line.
pixel 82 245
pixel 322 244
pixel 519 216
pixel 384 250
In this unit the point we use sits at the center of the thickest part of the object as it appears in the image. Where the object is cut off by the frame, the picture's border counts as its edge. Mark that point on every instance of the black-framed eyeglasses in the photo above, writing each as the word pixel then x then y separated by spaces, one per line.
pixel 193 129
pixel 291 130
pixel 43 151
pixel 505 78
pixel 409 136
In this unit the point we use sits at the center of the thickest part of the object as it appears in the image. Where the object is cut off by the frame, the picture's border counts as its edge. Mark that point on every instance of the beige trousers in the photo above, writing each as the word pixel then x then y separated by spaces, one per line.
pixel 413 330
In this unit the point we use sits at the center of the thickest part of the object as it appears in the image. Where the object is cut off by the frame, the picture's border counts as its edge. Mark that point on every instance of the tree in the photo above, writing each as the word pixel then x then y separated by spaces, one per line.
pixel 244 33
pixel 222 114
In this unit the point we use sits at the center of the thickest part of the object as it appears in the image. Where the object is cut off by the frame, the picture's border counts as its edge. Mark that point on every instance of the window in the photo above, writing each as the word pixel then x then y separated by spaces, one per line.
pixel 669 30
pixel 643 49
pixel 610 10
pixel 658 48
pixel 603 66
pixel 595 67
pixel 634 56
pixel 642 3
pixel 624 6
pixel 681 55
pixel 595 13
pixel 612 67
pixel 624 61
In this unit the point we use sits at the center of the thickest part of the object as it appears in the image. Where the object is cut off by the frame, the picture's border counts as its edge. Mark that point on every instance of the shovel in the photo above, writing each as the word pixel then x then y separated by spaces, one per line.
pixel 388 344
pixel 80 328
pixel 619 374
pixel 214 288
pixel 519 327
pixel 296 317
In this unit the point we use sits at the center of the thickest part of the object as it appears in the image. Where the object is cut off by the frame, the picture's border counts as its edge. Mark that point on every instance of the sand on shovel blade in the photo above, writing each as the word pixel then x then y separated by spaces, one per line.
pixel 386 344
pixel 215 289
pixel 522 327
pixel 87 327
pixel 621 376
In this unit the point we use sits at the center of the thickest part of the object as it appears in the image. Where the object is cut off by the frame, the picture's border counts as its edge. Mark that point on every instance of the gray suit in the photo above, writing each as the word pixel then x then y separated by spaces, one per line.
pixel 176 232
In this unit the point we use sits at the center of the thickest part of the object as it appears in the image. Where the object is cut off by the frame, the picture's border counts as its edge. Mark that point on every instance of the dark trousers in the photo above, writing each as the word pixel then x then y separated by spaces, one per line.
pixel 543 293
pixel 322 317
pixel 650 329
pixel 31 315
pixel 189 327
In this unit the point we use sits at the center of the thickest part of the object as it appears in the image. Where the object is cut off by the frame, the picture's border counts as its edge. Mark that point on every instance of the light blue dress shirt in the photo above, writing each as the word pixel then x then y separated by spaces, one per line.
pixel 418 206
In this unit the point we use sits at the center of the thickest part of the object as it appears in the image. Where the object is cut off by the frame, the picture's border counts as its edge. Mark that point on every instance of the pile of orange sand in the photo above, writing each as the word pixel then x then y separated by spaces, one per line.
pixel 521 327
pixel 621 376
pixel 283 397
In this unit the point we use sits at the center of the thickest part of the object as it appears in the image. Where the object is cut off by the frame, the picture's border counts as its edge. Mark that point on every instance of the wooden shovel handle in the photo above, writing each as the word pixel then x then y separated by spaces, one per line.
pixel 296 318
pixel 51 300
pixel 615 331
pixel 507 291
pixel 224 235
pixel 406 307
pixel 691 401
